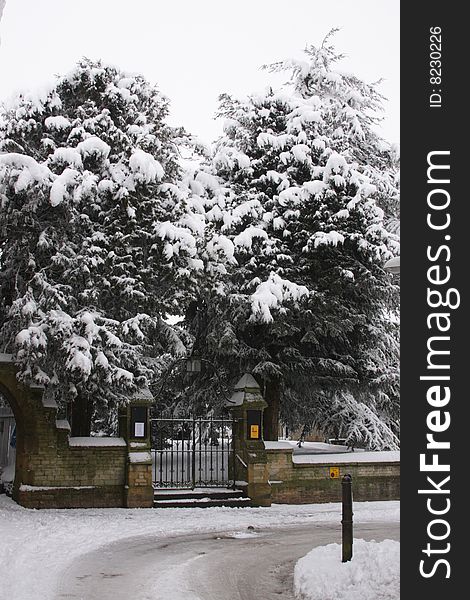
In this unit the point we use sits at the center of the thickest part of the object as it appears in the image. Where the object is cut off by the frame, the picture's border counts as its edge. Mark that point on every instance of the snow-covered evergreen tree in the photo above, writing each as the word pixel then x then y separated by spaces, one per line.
pixel 98 235
pixel 306 305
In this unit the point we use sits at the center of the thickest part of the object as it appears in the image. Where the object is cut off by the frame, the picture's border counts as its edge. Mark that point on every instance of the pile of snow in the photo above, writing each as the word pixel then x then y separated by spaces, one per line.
pixel 372 574
pixel 36 547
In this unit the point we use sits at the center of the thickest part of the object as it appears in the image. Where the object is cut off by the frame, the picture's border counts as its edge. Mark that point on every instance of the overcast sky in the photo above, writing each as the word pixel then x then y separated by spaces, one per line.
pixel 196 49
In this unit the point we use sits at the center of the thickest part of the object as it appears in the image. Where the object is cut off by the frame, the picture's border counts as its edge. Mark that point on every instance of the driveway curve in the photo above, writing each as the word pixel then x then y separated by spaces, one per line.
pixel 253 564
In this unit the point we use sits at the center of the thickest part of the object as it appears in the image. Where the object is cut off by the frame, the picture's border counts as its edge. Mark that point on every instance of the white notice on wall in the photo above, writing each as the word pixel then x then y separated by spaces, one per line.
pixel 139 430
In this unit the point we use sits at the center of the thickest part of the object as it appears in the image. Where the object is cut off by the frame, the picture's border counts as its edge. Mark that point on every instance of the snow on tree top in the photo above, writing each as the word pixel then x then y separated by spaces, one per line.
pixel 145 167
pixel 58 122
pixel 93 145
pixel 25 169
pixel 245 238
pixel 61 184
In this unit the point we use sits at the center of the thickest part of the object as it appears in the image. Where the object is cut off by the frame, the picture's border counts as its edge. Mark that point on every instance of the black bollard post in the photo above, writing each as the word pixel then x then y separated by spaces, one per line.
pixel 347 520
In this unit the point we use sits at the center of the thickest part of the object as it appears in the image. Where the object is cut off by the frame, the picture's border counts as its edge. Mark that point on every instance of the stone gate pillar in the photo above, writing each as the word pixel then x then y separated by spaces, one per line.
pixel 134 427
pixel 250 461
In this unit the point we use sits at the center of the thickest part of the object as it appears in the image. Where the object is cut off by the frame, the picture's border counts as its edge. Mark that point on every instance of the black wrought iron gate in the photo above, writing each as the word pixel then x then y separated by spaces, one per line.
pixel 192 452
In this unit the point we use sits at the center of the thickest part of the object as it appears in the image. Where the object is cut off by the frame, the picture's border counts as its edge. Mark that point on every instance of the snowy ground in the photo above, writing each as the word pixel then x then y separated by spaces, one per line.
pixel 36 547
pixel 372 574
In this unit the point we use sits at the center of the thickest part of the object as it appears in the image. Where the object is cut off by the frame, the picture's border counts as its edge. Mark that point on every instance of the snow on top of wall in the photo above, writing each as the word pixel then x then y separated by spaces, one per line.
pixel 45 488
pixel 323 453
pixel 348 457
pixel 278 446
pixel 96 441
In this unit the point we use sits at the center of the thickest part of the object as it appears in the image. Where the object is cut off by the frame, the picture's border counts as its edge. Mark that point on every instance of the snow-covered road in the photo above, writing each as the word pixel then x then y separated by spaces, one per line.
pixel 241 565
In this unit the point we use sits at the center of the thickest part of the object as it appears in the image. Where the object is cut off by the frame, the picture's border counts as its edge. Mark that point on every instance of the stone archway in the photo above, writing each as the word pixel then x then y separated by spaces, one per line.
pixel 35 425
pixel 7 443
pixel 53 469
pixel 7 448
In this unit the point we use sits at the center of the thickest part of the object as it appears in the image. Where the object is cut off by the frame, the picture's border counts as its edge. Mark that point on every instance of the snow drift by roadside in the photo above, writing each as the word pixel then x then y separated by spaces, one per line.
pixel 37 546
pixel 372 574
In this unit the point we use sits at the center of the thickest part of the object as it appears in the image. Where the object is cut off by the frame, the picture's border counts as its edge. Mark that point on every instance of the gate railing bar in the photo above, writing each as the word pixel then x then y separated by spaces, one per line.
pixel 242 461
pixel 193 469
pixel 217 473
pixel 200 451
pixel 172 452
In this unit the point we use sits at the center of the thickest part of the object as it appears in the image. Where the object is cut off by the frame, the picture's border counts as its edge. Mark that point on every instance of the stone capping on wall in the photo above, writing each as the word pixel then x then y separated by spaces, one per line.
pixel 137 458
pixel 62 424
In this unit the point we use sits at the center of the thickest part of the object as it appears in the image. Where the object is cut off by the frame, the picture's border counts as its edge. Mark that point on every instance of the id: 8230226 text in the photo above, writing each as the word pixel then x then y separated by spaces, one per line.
pixel 435 67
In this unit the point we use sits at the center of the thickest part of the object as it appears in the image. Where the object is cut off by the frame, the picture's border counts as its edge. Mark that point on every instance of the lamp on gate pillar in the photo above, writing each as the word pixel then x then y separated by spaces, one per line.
pixel 193 365
pixel 393 265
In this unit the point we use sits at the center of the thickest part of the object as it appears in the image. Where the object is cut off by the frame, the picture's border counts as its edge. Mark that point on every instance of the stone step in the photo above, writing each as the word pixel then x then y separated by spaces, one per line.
pixel 206 502
pixel 199 497
pixel 188 494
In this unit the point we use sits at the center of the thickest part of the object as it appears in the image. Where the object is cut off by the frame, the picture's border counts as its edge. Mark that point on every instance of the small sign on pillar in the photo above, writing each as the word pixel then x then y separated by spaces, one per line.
pixel 139 420
pixel 253 421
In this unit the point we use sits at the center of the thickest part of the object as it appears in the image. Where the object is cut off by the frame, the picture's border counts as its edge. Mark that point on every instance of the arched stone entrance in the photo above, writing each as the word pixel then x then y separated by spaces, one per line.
pixel 7 444
pixel 54 470
pixel 35 424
